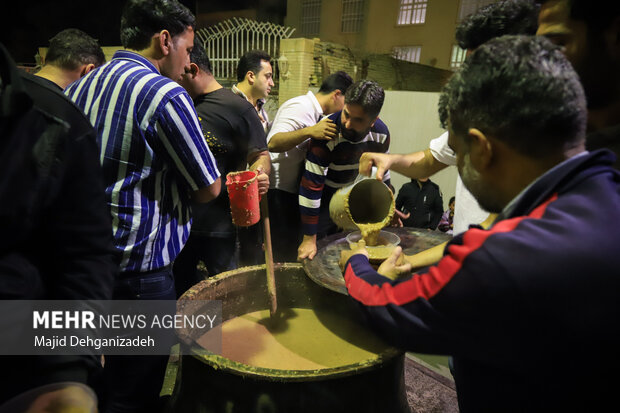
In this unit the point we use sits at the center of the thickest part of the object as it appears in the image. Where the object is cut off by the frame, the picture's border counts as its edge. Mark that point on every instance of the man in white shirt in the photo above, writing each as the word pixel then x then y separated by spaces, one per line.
pixel 494 20
pixel 297 121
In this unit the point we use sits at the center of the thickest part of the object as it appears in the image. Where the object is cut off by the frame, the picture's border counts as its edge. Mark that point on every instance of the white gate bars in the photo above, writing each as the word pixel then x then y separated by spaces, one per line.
pixel 227 41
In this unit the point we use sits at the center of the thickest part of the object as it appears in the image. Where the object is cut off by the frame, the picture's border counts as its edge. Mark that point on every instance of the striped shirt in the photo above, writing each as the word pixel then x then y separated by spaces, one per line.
pixel 333 164
pixel 153 156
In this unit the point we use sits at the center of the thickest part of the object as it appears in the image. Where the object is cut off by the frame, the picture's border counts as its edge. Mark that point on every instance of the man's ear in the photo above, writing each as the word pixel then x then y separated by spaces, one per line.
pixel 165 42
pixel 193 70
pixel 250 77
pixel 336 94
pixel 373 122
pixel 480 149
pixel 86 68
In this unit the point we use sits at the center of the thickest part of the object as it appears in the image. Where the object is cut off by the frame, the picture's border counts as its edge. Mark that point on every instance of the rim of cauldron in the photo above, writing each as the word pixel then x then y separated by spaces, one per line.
pixel 217 362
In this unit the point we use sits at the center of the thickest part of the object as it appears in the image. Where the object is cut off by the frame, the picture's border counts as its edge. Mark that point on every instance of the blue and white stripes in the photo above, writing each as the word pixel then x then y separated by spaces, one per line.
pixel 153 156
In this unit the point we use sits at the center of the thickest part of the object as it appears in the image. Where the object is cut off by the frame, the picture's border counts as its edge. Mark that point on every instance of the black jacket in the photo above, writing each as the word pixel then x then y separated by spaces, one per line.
pixel 529 308
pixel 423 201
pixel 56 233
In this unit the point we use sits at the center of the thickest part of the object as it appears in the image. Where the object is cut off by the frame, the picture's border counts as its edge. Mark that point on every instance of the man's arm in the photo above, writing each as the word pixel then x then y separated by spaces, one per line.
pixel 284 141
pixel 413 165
pixel 180 134
pixel 260 162
pixel 207 193
pixel 310 192
pixel 434 254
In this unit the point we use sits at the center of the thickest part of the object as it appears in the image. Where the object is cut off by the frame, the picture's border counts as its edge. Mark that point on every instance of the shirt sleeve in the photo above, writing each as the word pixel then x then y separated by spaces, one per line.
pixel 445 308
pixel 289 118
pixel 312 184
pixel 441 151
pixel 179 131
pixel 251 127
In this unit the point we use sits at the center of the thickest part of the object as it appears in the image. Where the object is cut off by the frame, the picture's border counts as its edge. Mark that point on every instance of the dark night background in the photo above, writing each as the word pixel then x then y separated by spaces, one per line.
pixel 29 24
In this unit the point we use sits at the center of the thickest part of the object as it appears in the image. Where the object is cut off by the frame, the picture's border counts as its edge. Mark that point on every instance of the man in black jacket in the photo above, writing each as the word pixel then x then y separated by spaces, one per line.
pixel 56 232
pixel 421 199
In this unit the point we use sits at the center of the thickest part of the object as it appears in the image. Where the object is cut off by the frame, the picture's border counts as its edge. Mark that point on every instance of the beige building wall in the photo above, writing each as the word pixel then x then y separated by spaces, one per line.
pixel 380 32
pixel 413 122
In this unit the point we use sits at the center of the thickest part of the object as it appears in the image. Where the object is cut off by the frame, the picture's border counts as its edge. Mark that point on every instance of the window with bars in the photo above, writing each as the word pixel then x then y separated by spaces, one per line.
pixel 310 17
pixel 412 12
pixel 468 7
pixel 408 53
pixel 352 15
pixel 458 56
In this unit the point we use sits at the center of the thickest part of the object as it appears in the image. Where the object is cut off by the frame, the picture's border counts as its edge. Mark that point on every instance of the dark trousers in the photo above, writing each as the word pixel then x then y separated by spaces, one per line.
pixel 217 253
pixel 133 383
pixel 285 225
pixel 251 251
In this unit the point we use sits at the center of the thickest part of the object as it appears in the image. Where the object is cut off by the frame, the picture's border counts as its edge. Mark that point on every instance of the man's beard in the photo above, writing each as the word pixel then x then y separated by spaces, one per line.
pixel 473 182
pixel 353 135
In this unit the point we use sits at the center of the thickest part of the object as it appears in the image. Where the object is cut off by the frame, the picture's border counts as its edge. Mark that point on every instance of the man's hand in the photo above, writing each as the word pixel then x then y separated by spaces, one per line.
pixel 398 217
pixel 263 181
pixel 382 161
pixel 307 248
pixel 395 265
pixel 346 254
pixel 324 130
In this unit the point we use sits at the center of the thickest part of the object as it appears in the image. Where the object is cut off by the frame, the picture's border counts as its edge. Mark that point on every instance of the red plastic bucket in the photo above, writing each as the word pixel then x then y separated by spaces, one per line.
pixel 244 199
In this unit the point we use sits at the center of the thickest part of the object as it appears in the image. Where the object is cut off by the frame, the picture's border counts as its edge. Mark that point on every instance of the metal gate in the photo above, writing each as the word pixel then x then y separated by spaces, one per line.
pixel 227 41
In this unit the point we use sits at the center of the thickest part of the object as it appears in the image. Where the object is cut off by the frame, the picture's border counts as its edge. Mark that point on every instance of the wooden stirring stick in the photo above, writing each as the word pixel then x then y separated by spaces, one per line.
pixel 271 279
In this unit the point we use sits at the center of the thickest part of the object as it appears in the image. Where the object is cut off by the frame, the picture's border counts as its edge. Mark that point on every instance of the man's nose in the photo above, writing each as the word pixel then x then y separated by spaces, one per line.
pixel 271 82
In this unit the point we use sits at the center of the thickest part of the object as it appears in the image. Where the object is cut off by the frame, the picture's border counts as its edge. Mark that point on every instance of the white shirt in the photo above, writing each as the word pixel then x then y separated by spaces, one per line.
pixel 467 211
pixel 294 114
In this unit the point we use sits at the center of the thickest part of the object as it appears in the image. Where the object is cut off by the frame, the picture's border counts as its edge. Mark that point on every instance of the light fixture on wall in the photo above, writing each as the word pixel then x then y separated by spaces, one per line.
pixel 283 66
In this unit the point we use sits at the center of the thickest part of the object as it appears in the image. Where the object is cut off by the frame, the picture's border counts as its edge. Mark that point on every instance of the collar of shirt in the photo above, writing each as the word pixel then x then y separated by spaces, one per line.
pixel 237 91
pixel 317 106
pixel 507 211
pixel 135 57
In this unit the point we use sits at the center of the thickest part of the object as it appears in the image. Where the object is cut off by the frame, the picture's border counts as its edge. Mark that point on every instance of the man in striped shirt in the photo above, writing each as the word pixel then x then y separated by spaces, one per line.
pixel 333 164
pixel 155 160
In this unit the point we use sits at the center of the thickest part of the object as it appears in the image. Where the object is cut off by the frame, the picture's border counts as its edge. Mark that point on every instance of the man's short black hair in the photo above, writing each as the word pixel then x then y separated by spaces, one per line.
pixel 199 57
pixel 251 62
pixel 596 14
pixel 518 89
pixel 142 19
pixel 497 19
pixel 336 81
pixel 368 94
pixel 71 48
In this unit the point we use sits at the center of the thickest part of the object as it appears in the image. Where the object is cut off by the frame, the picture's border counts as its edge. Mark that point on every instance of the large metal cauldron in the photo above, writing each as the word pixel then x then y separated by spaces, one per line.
pixel 212 383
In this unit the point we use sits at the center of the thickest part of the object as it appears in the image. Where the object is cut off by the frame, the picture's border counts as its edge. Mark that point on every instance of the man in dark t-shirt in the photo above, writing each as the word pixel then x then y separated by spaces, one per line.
pixel 236 138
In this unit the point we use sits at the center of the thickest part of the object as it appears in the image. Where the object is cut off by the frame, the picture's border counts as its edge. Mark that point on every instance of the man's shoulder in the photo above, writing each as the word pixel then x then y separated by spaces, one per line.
pixel 50 100
pixel 297 101
pixel 380 127
pixel 223 98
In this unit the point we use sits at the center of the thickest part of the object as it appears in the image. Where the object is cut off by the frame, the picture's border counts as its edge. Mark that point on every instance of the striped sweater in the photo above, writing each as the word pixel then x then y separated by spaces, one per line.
pixel 153 155
pixel 333 164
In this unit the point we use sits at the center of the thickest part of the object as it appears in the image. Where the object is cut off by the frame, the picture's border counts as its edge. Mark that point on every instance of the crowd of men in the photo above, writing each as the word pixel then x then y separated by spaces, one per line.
pixel 113 189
